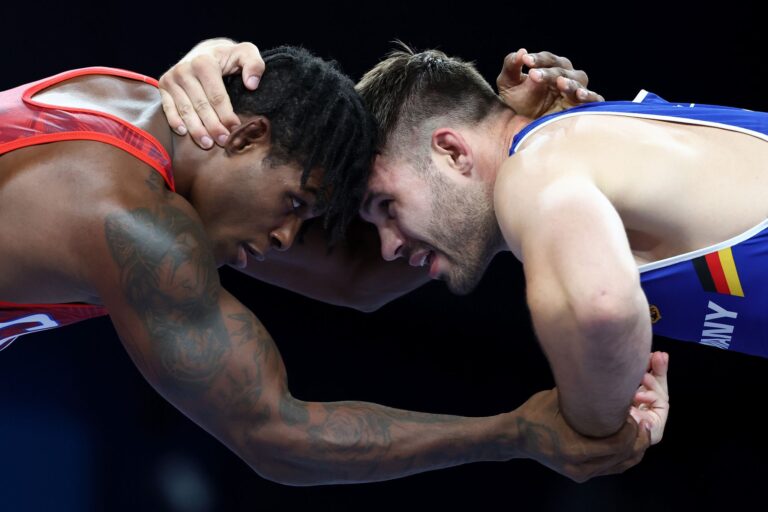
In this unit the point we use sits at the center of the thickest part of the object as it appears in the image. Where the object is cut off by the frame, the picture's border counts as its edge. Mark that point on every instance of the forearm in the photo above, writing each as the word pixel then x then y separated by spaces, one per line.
pixel 352 274
pixel 352 442
pixel 363 289
pixel 597 364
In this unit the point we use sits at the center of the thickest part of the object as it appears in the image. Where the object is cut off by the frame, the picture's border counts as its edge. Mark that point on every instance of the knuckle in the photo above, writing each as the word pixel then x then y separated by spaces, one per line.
pixel 246 45
pixel 581 77
pixel 547 55
pixel 177 71
pixel 200 62
pixel 218 99
pixel 185 110
pixel 202 106
pixel 168 105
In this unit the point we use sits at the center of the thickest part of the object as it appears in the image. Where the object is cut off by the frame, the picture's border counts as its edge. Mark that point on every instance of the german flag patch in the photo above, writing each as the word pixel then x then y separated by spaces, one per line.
pixel 717 273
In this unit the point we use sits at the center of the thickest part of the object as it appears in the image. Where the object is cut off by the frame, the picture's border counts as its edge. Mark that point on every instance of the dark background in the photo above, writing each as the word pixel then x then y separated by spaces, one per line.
pixel 81 430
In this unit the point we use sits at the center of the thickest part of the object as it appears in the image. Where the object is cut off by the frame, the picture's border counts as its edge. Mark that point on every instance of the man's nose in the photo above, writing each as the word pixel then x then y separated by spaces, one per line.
pixel 282 238
pixel 391 243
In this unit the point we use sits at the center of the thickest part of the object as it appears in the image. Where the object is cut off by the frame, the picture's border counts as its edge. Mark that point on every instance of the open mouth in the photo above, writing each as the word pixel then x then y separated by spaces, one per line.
pixel 421 259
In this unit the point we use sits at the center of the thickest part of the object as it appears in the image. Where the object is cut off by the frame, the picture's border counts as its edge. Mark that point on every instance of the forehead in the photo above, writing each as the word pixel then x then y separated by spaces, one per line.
pixel 289 174
pixel 391 178
pixel 388 174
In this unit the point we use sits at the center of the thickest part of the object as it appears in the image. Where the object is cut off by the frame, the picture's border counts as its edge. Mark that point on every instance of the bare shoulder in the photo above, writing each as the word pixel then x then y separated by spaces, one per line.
pixel 129 204
pixel 579 145
pixel 555 154
pixel 126 184
pixel 56 199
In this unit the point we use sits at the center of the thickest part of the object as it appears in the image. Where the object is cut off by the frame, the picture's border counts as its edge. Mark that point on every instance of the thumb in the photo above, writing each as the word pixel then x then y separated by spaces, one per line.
pixel 249 59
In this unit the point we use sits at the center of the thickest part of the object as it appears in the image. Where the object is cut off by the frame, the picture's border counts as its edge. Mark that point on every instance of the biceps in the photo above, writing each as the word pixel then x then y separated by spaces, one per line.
pixel 222 370
pixel 575 242
pixel 194 342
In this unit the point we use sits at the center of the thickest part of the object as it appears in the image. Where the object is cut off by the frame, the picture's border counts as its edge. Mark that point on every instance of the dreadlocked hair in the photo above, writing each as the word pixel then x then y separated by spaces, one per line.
pixel 318 121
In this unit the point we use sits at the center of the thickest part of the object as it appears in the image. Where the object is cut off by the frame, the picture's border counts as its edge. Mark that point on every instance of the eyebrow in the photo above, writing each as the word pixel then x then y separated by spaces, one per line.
pixel 315 192
pixel 366 207
pixel 309 188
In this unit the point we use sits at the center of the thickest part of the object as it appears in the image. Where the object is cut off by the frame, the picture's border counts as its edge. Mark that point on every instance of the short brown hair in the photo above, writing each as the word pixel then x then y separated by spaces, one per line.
pixel 406 90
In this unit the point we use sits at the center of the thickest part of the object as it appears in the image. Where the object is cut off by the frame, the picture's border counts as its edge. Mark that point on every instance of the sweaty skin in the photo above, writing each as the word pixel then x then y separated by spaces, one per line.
pixel 109 233
pixel 652 190
pixel 353 274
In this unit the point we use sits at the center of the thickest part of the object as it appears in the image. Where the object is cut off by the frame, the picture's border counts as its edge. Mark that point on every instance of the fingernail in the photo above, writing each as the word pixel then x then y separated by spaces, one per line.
pixel 252 82
pixel 206 141
pixel 181 129
pixel 222 139
pixel 537 75
pixel 582 94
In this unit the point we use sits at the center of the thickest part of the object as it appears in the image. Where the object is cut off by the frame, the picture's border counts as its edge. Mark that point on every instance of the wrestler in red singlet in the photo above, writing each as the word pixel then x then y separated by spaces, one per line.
pixel 25 122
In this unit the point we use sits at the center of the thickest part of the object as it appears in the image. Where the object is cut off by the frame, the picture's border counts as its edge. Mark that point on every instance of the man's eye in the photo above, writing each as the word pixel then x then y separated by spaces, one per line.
pixel 386 208
pixel 297 203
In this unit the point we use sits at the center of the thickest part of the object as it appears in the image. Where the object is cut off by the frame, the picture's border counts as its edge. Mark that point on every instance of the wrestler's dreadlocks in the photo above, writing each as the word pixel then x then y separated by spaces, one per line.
pixel 318 121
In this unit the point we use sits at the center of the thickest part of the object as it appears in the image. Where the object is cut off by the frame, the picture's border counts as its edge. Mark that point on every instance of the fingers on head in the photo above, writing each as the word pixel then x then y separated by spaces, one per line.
pixel 550 60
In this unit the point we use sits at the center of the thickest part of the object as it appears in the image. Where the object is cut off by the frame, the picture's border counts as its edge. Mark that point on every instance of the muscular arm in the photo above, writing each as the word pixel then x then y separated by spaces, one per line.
pixel 583 289
pixel 214 360
pixel 353 274
pixel 208 355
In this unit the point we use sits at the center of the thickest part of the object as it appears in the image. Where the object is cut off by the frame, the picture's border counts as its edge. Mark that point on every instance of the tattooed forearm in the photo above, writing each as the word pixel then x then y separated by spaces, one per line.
pixel 169 277
pixel 535 435
pixel 358 442
pixel 217 359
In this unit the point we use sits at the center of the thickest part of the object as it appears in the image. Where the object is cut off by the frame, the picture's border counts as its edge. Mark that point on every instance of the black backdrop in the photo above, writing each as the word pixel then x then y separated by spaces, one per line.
pixel 81 430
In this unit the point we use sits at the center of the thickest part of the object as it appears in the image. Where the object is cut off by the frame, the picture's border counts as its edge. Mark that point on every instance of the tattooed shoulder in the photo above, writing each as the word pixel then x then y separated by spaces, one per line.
pixel 168 276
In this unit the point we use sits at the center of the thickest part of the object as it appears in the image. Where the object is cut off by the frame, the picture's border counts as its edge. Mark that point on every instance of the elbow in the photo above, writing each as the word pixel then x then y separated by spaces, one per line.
pixel 276 447
pixel 366 306
pixel 608 317
pixel 276 455
pixel 265 448
pixel 355 297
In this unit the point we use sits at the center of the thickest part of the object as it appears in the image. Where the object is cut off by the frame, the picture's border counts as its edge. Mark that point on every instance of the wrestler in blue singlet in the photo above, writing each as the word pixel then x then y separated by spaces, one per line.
pixel 718 295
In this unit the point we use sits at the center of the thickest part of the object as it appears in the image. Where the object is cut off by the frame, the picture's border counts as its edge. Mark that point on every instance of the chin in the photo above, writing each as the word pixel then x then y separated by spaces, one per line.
pixel 464 285
pixel 464 280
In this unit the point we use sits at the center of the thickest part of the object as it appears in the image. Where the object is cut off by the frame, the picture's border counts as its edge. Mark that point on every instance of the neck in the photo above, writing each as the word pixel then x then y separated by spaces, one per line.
pixel 188 161
pixel 504 126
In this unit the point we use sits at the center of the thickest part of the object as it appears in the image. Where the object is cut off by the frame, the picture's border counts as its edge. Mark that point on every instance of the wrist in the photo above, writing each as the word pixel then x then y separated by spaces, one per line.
pixel 506 436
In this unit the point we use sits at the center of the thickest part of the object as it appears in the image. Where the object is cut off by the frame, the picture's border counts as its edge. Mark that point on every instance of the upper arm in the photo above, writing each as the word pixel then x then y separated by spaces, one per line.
pixel 195 343
pixel 570 238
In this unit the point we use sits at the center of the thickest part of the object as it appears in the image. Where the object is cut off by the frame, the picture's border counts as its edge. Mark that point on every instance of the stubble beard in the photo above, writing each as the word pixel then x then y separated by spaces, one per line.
pixel 464 229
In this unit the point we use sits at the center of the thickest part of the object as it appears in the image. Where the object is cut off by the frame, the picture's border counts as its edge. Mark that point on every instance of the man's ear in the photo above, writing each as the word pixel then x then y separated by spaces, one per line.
pixel 451 145
pixel 256 130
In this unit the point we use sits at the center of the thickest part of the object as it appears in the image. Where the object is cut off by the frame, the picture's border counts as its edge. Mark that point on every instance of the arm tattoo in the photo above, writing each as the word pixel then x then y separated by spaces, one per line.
pixel 536 436
pixel 169 277
pixel 229 374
